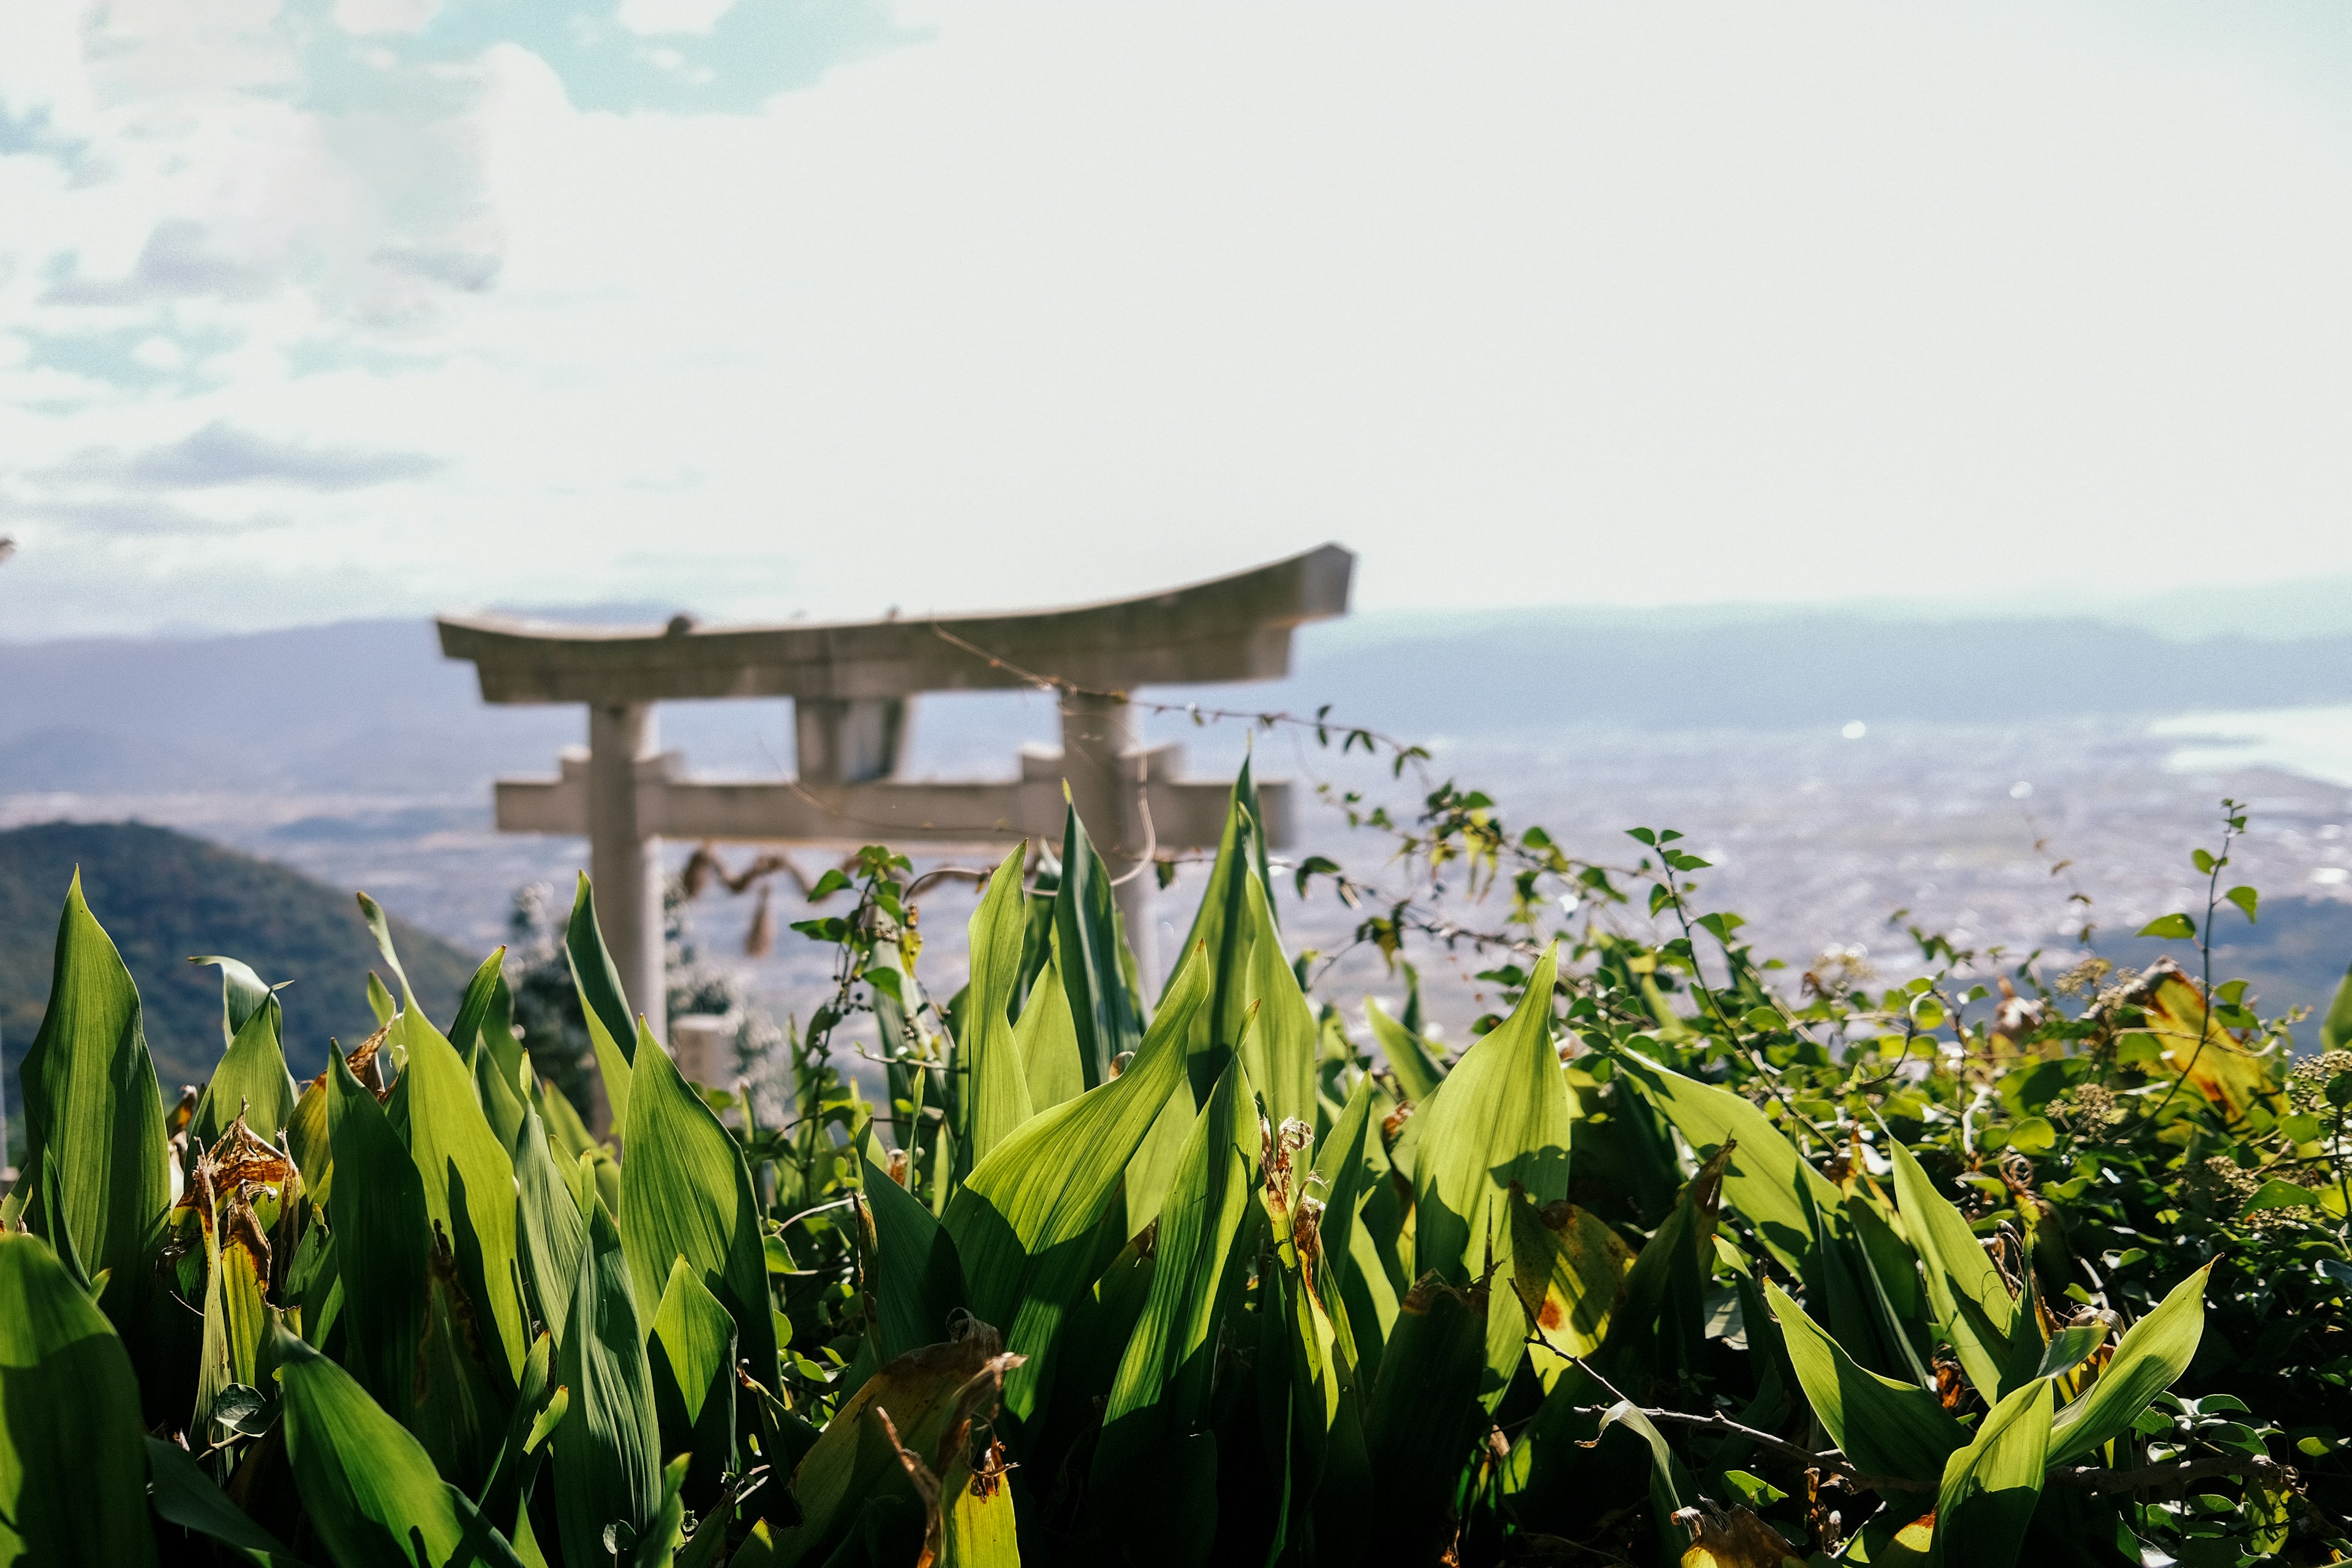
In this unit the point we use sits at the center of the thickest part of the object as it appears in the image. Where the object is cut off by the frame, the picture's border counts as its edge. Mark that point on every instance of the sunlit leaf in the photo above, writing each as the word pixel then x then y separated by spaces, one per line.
pixel 251 1078
pixel 93 1114
pixel 1570 1271
pixel 1888 1428
pixel 1161 1388
pixel 2148 1360
pixel 914 1274
pixel 73 1466
pixel 1024 1224
pixel 602 1001
pixel 1501 1118
pixel 1972 1305
pixel 1417 1067
pixel 995 1102
pixel 1991 1486
pixel 685 1191
pixel 1105 1018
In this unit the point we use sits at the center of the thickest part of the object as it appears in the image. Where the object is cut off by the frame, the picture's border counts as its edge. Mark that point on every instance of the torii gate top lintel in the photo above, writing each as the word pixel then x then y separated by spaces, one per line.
pixel 851 685
pixel 1230 628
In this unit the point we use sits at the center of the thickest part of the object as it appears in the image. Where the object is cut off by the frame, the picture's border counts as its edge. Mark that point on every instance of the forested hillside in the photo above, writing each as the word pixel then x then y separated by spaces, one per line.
pixel 165 897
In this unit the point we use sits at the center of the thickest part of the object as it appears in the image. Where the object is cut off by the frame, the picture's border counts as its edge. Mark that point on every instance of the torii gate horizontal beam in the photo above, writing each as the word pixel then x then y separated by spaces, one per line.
pixel 1185 813
pixel 1232 628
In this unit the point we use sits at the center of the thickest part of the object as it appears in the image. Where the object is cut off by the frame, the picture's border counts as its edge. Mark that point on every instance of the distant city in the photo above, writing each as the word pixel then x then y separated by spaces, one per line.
pixel 1977 774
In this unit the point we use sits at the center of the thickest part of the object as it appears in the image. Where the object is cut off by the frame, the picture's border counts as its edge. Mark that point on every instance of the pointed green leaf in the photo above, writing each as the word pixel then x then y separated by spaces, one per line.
pixel 853 1462
pixel 915 1276
pixel 1222 926
pixel 473 1008
pixel 602 1001
pixel 685 1189
pixel 242 992
pixel 1105 1018
pixel 73 1466
pixel 1282 1046
pixel 1162 1386
pixel 383 1241
pixel 1888 1428
pixel 551 1229
pixel 1024 1224
pixel 2149 1359
pixel 607 1451
pixel 1046 1037
pixel 1425 1414
pixel 369 1488
pixel 380 1001
pixel 1502 1117
pixel 538 1410
pixel 1569 1270
pixel 93 1114
pixel 1972 1305
pixel 1765 1171
pixel 252 1076
pixel 184 1495
pixel 691 1352
pixel 1991 1486
pixel 1417 1069
pixel 468 1183
pixel 995 1083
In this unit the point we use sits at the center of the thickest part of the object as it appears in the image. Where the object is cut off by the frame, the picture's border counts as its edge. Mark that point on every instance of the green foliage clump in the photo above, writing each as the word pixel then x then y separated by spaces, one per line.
pixel 1669 1264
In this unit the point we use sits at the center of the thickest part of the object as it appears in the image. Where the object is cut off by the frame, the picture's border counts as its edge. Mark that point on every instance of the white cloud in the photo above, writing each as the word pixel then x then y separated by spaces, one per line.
pixel 1527 303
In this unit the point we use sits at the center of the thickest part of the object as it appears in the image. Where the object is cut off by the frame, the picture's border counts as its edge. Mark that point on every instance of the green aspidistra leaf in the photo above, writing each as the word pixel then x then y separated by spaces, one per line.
pixel 1282 1043
pixel 685 1191
pixel 1971 1304
pixel 369 1488
pixel 382 1242
pixel 1991 1486
pixel 468 1183
pixel 2148 1360
pixel 1502 1117
pixel 1105 1018
pixel 1765 1171
pixel 550 1229
pixel 608 1449
pixel 252 1076
pixel 1024 1223
pixel 691 1352
pixel 242 992
pixel 73 1465
pixel 1046 1036
pixel 1417 1067
pixel 1222 926
pixel 1888 1428
pixel 93 1114
pixel 602 1001
pixel 995 1081
pixel 916 1279
pixel 1162 1385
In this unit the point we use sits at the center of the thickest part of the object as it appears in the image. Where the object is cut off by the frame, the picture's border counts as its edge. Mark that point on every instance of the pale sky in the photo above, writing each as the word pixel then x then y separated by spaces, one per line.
pixel 366 306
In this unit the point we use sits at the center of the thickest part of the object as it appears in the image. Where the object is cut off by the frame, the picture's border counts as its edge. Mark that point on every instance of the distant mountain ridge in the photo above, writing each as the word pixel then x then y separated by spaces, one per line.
pixel 372 706
pixel 163 896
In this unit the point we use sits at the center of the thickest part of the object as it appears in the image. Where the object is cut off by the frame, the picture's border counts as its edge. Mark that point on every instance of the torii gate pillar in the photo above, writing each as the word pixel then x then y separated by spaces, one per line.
pixel 851 686
pixel 624 853
pixel 1106 767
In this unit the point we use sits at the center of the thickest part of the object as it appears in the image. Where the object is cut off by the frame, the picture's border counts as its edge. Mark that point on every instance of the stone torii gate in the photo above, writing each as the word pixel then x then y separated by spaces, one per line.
pixel 852 685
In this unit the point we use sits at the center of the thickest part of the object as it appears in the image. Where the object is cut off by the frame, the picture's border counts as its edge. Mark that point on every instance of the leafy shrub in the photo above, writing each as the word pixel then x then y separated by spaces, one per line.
pixel 1661 1268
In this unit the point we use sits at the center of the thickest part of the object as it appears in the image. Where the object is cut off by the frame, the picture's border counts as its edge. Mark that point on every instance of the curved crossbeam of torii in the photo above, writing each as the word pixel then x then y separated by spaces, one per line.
pixel 852 684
